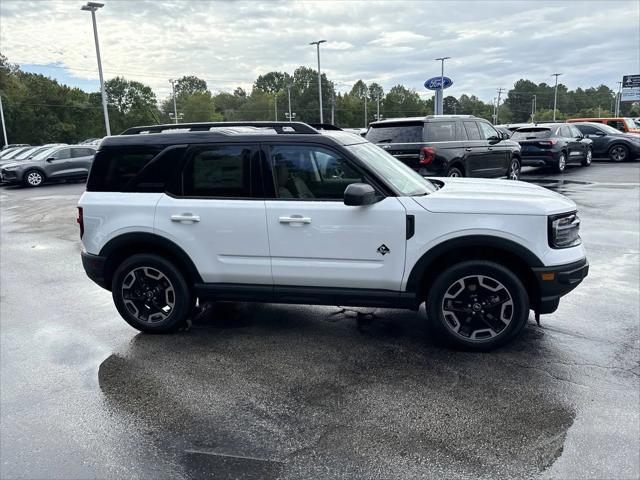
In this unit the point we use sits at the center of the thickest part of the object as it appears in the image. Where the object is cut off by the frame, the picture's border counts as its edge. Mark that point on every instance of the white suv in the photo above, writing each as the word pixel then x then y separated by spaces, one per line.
pixel 277 212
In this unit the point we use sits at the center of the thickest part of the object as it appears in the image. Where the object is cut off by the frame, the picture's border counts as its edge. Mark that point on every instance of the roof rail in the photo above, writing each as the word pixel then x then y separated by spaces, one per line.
pixel 279 127
pixel 324 126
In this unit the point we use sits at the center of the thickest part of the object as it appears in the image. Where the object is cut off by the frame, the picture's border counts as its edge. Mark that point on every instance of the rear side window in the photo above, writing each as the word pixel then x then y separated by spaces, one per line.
pixel 62 154
pixel 531 133
pixel 222 171
pixel 588 129
pixel 113 169
pixel 440 131
pixel 472 130
pixel 405 132
pixel 82 152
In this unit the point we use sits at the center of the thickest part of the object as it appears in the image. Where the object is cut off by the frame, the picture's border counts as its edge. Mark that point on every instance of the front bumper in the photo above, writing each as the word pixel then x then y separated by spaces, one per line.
pixel 555 282
pixel 10 176
pixel 94 268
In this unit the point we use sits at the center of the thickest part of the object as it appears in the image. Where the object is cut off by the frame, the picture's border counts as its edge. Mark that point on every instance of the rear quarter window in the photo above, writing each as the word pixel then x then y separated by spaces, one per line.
pixel 440 131
pixel 114 168
pixel 404 132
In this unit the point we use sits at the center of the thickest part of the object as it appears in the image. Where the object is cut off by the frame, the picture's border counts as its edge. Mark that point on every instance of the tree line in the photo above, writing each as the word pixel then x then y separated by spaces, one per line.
pixel 38 109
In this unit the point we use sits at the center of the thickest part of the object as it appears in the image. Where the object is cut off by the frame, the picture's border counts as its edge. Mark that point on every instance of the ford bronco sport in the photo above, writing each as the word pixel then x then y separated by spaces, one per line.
pixel 276 212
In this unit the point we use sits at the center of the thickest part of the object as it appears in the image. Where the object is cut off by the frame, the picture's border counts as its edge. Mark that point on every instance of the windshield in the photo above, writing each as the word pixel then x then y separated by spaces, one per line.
pixel 15 153
pixel 531 133
pixel 402 178
pixel 405 132
pixel 630 123
pixel 26 153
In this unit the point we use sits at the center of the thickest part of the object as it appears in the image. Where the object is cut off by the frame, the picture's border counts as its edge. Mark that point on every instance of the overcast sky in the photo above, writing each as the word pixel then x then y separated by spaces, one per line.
pixel 229 43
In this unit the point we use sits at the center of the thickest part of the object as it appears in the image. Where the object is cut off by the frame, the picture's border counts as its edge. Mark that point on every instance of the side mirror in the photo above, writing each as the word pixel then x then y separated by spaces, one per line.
pixel 358 194
pixel 50 159
pixel 494 139
pixel 504 136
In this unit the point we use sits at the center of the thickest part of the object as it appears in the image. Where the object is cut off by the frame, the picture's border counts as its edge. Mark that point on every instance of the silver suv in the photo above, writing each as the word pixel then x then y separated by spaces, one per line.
pixel 61 162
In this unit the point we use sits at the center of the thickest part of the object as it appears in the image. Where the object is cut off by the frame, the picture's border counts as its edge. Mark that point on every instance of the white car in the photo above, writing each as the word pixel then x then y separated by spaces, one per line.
pixel 174 215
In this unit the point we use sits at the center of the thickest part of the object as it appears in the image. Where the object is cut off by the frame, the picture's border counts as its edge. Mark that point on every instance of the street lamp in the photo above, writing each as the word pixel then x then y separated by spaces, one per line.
pixel 555 95
pixel 175 107
pixel 317 44
pixel 93 7
pixel 440 104
pixel 289 115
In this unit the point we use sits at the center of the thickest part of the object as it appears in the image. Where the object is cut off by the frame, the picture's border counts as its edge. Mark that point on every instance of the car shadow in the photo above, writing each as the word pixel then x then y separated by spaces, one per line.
pixel 296 391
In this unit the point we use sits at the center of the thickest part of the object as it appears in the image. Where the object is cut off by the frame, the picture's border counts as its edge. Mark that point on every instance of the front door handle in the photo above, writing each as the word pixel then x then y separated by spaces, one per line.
pixel 490 148
pixel 185 217
pixel 468 149
pixel 294 219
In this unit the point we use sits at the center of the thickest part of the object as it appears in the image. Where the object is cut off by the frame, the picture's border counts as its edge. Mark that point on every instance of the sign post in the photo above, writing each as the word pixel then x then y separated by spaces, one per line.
pixel 630 91
pixel 438 84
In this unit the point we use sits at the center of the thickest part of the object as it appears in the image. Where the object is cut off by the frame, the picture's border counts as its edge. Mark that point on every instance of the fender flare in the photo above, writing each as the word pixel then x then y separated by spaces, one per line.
pixel 471 241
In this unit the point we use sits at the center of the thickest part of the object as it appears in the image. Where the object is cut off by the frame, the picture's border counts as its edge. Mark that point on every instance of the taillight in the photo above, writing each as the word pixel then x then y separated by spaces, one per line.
pixel 80 221
pixel 548 142
pixel 427 154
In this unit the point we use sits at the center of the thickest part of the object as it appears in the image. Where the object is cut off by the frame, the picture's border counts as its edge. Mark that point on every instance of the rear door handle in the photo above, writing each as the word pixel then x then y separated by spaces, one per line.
pixel 468 149
pixel 490 148
pixel 185 217
pixel 294 219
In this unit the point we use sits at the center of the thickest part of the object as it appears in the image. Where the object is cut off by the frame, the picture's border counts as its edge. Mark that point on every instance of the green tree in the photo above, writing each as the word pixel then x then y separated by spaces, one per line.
pixel 132 103
pixel 190 85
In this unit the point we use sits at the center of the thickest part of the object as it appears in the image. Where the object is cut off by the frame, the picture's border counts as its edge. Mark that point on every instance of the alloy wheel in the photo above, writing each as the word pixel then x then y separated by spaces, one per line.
pixel 618 154
pixel 589 156
pixel 148 294
pixel 477 308
pixel 34 179
pixel 562 162
pixel 514 170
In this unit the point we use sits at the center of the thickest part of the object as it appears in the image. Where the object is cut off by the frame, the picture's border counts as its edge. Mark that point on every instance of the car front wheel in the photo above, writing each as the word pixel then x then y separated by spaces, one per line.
pixel 477 305
pixel 33 178
pixel 514 170
pixel 151 294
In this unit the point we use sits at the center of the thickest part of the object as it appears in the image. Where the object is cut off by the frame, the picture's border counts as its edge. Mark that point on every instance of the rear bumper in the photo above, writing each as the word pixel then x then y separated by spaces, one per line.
pixel 555 282
pixel 539 159
pixel 94 268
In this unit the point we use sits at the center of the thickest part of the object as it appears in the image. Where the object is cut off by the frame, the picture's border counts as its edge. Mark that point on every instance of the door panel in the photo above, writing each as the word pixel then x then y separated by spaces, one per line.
pixel 58 165
pixel 218 217
pixel 333 245
pixel 497 152
pixel 476 151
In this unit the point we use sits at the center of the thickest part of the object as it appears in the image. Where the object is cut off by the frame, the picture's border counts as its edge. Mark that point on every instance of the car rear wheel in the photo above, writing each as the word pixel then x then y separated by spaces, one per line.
pixel 454 172
pixel 33 178
pixel 587 159
pixel 514 170
pixel 151 294
pixel 562 163
pixel 618 153
pixel 477 305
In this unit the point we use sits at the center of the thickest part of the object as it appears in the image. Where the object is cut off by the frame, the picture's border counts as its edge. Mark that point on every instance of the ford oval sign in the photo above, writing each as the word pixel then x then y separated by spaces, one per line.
pixel 434 83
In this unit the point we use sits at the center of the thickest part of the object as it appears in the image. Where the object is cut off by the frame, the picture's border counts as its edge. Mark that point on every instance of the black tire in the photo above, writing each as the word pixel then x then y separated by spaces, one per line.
pixel 586 162
pixel 473 332
pixel 561 164
pixel 618 153
pixel 515 169
pixel 454 172
pixel 170 302
pixel 33 178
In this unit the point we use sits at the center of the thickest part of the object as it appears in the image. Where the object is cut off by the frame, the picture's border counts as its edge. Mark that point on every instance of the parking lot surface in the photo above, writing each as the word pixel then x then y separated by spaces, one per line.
pixel 277 391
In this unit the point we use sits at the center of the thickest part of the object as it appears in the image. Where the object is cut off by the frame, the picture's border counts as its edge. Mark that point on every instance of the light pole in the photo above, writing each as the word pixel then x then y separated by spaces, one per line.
pixel 498 106
pixel 534 107
pixel 378 107
pixel 618 98
pixel 93 7
pixel 289 100
pixel 440 104
pixel 4 128
pixel 555 95
pixel 317 44
pixel 175 107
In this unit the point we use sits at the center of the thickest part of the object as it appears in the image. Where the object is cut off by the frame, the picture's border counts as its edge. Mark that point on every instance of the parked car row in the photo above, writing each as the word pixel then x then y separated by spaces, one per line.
pixel 33 165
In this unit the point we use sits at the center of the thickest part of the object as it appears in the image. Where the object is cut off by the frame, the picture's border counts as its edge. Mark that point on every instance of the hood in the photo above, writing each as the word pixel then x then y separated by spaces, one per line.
pixel 501 197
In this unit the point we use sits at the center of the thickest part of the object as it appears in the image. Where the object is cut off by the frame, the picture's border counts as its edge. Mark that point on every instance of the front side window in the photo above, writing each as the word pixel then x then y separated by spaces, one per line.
pixel 308 172
pixel 588 129
pixel 222 171
pixel 574 131
pixel 488 132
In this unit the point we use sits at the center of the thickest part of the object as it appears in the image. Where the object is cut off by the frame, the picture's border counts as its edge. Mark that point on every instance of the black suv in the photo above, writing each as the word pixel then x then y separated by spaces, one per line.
pixel 610 142
pixel 553 145
pixel 448 145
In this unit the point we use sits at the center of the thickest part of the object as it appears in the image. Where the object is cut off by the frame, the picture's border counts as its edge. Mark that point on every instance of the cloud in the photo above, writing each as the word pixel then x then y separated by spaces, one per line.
pixel 230 43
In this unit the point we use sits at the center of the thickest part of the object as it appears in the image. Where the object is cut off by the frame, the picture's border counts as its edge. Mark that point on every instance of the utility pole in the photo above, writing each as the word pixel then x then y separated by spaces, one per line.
pixel 333 106
pixel 500 90
pixel 366 123
pixel 534 108
pixel 4 127
pixel 618 98
pixel 275 105
pixel 599 116
pixel 378 108
pixel 175 107
pixel 93 7
pixel 439 104
pixel 317 44
pixel 289 99
pixel 555 95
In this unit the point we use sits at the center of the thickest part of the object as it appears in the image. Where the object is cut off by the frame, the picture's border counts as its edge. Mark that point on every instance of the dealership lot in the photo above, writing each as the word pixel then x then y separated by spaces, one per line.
pixel 315 392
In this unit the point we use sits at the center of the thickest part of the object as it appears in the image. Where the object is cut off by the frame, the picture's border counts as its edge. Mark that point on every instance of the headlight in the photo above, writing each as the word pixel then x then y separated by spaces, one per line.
pixel 10 169
pixel 564 230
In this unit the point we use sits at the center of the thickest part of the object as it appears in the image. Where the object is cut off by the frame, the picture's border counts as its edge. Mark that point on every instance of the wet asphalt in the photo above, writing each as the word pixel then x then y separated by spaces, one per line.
pixel 277 391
